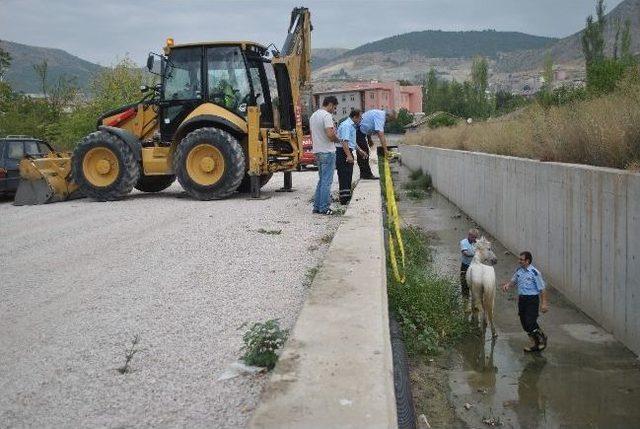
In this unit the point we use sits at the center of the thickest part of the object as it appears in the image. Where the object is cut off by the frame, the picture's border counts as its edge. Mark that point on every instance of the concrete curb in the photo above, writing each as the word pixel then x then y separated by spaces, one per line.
pixel 336 370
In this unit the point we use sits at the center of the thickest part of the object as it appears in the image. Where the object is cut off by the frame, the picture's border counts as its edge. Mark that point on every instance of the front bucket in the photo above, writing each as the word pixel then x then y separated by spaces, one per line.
pixel 34 192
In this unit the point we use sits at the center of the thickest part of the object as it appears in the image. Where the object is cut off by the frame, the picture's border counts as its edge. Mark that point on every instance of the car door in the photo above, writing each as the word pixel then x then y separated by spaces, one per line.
pixel 14 151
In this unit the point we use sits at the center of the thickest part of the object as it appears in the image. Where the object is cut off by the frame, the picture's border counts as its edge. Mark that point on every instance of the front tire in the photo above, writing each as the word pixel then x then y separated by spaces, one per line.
pixel 154 183
pixel 104 167
pixel 209 164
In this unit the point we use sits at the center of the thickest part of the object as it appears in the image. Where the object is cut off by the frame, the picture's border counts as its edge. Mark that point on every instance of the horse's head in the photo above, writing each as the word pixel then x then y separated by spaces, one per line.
pixel 484 252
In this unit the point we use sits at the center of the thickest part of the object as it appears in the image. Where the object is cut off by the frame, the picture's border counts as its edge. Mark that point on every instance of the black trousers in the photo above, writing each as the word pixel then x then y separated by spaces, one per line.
pixel 363 163
pixel 464 287
pixel 528 311
pixel 345 175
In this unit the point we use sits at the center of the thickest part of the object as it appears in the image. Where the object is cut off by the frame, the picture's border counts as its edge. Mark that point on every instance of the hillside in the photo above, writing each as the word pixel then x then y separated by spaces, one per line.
pixel 22 77
pixel 454 44
pixel 410 56
pixel 323 56
pixel 569 49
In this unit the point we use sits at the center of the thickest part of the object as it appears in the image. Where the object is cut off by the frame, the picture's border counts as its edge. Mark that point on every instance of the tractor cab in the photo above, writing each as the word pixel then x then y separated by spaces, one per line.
pixel 231 75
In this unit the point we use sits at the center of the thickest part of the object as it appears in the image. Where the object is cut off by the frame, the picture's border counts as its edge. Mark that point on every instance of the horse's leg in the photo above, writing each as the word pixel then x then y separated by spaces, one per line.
pixel 489 303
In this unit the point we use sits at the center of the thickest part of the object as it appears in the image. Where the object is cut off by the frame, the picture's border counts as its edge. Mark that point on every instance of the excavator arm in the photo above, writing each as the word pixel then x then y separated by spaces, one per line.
pixel 293 63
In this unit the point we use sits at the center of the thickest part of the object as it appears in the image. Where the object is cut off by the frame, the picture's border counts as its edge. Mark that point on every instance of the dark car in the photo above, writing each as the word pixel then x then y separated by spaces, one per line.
pixel 12 150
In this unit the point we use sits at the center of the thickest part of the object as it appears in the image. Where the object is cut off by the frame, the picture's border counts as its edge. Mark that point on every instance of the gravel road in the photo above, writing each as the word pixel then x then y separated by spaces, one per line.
pixel 80 279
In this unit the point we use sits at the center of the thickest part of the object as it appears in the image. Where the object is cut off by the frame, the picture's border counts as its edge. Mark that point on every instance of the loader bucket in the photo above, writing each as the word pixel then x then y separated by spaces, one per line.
pixel 46 180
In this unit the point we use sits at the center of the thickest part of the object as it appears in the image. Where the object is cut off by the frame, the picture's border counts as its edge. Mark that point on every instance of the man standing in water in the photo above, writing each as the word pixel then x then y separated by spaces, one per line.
pixel 531 291
pixel 467 251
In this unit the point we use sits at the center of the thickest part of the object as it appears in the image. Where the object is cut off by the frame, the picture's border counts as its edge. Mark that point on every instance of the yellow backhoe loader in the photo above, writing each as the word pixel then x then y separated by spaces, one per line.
pixel 216 122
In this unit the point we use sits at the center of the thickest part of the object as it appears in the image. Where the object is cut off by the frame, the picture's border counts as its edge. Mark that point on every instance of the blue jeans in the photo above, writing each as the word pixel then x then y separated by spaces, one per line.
pixel 326 162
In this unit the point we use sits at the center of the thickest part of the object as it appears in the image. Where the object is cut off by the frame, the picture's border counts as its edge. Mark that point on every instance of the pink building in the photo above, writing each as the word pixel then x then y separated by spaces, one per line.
pixel 388 96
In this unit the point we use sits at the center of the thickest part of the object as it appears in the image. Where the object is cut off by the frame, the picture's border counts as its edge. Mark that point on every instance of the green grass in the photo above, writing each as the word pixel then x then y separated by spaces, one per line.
pixel 427 306
pixel 418 181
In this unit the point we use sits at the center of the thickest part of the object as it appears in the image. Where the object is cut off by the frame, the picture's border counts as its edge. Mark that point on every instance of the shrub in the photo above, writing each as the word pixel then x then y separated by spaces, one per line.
pixel 261 342
pixel 442 120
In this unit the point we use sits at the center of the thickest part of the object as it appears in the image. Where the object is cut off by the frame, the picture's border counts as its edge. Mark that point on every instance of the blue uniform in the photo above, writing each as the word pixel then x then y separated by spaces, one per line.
pixel 347 131
pixel 468 246
pixel 529 281
pixel 372 120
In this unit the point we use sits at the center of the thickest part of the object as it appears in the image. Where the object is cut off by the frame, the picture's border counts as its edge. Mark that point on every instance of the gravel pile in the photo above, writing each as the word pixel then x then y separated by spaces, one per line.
pixel 80 279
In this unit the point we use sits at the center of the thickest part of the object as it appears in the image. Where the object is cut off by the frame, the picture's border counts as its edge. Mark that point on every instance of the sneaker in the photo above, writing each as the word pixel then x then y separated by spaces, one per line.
pixel 328 212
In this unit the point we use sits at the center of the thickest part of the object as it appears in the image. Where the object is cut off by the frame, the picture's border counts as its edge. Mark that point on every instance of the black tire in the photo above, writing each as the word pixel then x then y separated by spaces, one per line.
pixel 245 185
pixel 232 155
pixel 154 183
pixel 129 168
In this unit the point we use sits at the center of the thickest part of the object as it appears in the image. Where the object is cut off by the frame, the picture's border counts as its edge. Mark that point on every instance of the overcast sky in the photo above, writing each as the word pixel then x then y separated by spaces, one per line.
pixel 103 31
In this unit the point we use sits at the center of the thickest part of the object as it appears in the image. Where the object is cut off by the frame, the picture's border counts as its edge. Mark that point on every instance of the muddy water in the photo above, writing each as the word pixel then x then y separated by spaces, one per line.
pixel 584 379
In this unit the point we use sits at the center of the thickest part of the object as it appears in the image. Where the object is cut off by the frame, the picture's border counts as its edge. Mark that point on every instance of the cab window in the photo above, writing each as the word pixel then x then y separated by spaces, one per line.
pixel 228 83
pixel 183 74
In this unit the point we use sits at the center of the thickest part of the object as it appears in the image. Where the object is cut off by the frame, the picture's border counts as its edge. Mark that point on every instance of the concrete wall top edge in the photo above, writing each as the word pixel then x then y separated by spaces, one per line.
pixel 530 160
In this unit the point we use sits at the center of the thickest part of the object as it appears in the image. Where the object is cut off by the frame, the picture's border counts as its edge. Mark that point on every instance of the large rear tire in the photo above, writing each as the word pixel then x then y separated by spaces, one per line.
pixel 104 167
pixel 245 185
pixel 209 164
pixel 154 183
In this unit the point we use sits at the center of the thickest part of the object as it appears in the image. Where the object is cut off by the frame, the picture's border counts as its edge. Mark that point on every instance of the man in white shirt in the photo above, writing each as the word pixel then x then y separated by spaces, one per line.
pixel 324 137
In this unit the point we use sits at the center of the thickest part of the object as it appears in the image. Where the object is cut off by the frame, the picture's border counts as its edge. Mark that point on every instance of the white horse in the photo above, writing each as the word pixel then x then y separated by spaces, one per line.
pixel 481 278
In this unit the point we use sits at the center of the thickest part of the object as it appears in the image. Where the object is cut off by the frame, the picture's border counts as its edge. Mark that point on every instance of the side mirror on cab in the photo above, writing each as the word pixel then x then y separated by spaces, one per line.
pixel 150 60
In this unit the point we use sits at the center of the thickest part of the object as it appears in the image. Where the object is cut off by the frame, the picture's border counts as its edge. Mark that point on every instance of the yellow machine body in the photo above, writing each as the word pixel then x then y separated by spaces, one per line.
pixel 140 127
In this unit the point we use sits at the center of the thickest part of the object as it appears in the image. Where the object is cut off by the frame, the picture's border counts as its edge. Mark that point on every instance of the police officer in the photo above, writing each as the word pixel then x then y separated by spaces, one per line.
pixel 531 290
pixel 344 154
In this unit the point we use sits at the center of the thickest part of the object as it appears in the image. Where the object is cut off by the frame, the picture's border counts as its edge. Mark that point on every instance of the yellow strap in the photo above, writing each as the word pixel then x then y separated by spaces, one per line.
pixel 393 220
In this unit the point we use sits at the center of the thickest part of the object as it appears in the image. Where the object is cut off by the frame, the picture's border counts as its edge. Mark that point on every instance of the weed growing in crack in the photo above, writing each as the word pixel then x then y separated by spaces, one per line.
pixel 310 275
pixel 270 231
pixel 261 342
pixel 129 354
pixel 326 239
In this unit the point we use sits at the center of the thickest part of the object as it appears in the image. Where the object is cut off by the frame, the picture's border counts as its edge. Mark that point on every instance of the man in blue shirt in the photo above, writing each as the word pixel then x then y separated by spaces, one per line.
pixel 344 154
pixel 373 123
pixel 467 251
pixel 531 288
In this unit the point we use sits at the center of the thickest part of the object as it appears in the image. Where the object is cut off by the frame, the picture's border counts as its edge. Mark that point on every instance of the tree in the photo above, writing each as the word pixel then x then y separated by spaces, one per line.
pixel 625 47
pixel 5 62
pixel 480 74
pixel 616 39
pixel 593 36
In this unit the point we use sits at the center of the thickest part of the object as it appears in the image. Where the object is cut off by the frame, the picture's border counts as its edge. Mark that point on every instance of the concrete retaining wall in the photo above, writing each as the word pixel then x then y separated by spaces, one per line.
pixel 336 370
pixel 581 223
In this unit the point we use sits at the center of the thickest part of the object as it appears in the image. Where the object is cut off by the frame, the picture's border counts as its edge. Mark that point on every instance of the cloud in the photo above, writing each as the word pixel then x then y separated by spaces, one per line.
pixel 103 31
